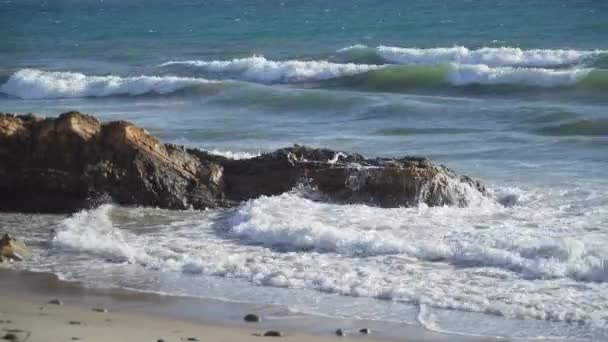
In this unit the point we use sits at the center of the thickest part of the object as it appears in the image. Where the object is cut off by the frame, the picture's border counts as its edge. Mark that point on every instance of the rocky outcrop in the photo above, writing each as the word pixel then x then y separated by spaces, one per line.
pixel 74 161
pixel 12 250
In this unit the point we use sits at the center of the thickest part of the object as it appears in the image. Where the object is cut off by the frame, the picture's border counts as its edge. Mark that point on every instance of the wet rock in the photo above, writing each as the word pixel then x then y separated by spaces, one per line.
pixel 251 318
pixel 10 337
pixel 349 178
pixel 16 335
pixel 12 249
pixel 340 332
pixel 102 310
pixel 365 331
pixel 192 339
pixel 75 323
pixel 75 161
pixel 273 333
pixel 55 302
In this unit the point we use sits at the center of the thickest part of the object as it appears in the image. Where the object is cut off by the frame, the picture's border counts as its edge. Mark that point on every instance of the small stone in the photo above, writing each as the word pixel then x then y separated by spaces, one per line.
pixel 340 332
pixel 5 321
pixel 10 337
pixel 100 310
pixel 192 339
pixel 75 338
pixel 365 331
pixel 160 340
pixel 56 302
pixel 251 318
pixel 75 323
pixel 273 333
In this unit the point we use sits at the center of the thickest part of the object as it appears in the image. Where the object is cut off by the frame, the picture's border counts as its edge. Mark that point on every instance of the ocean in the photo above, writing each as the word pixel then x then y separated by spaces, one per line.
pixel 514 93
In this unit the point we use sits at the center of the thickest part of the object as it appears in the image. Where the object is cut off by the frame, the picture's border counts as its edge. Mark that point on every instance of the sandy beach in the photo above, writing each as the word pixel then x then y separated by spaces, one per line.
pixel 32 317
pixel 28 313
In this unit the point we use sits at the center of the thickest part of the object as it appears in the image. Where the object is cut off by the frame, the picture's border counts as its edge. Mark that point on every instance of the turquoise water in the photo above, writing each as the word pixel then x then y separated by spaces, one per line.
pixel 511 92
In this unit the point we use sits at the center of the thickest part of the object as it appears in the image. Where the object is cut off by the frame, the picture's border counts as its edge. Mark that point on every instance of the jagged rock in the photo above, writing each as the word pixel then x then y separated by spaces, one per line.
pixel 12 249
pixel 65 163
pixel 74 161
pixel 349 178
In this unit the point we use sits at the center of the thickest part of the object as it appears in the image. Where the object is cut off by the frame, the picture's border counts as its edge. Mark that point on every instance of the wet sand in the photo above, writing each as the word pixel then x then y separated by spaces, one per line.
pixel 90 314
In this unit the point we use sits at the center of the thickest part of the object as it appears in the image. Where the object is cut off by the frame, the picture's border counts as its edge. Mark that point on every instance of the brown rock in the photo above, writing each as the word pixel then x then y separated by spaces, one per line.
pixel 74 161
pixel 12 249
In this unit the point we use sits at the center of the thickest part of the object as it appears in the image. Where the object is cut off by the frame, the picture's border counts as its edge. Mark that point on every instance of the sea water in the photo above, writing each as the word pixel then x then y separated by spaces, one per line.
pixel 514 93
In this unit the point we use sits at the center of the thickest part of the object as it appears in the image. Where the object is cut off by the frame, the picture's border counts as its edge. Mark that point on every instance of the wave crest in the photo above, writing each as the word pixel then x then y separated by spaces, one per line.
pixel 493 57
pixel 259 69
pixel 39 84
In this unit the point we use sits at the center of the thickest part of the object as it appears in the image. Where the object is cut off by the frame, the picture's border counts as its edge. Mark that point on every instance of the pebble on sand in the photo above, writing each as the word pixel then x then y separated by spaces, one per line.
pixel 252 318
pixel 273 333
pixel 75 323
pixel 100 310
pixel 55 302
pixel 10 337
pixel 340 332
pixel 365 331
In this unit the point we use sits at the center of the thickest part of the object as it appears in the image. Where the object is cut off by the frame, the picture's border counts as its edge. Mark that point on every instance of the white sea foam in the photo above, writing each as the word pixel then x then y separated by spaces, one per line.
pixel 92 231
pixel 460 75
pixel 494 57
pixel 234 155
pixel 526 261
pixel 259 69
pixel 39 84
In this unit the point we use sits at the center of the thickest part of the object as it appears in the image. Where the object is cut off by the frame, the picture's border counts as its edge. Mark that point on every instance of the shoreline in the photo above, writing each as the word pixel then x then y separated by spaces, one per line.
pixel 144 316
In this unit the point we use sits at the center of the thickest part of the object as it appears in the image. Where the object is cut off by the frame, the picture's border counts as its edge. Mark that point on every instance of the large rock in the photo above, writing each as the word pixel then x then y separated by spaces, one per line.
pixel 74 160
pixel 11 249
pixel 349 178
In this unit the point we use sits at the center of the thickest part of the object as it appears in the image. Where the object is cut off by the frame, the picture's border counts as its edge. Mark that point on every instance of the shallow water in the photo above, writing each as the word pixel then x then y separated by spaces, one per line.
pixel 513 95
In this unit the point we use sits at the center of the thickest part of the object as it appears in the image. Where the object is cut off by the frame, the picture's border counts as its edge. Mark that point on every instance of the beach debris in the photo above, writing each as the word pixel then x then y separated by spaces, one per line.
pixel 13 250
pixel 252 318
pixel 55 301
pixel 340 332
pixel 273 333
pixel 365 331
pixel 102 310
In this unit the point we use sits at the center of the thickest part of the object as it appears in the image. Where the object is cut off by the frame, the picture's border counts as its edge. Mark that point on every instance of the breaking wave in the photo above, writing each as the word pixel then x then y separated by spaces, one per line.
pixel 39 84
pixel 473 257
pixel 259 69
pixel 493 57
